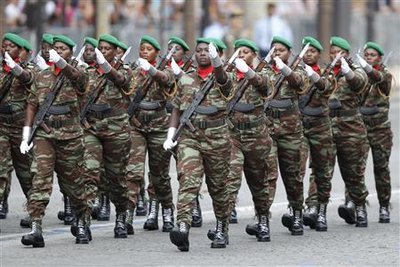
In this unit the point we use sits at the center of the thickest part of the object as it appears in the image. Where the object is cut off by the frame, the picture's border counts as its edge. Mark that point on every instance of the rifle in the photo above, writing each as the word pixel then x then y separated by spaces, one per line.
pixel 55 89
pixel 188 63
pixel 385 61
pixel 305 100
pixel 245 83
pixel 7 82
pixel 98 90
pixel 198 98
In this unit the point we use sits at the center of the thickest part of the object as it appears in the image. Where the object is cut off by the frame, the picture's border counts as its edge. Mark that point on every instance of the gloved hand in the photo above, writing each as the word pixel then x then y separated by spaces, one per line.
pixel 41 63
pixel 168 143
pixel 364 64
pixel 213 54
pixel 241 65
pixel 16 69
pixel 101 60
pixel 345 68
pixel 57 59
pixel 286 71
pixel 146 66
pixel 314 77
pixel 25 147
pixel 175 67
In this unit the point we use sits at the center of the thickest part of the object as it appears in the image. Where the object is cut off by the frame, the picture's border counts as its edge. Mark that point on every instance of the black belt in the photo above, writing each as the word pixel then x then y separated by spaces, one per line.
pixel 244 107
pixel 276 114
pixel 57 124
pixel 371 122
pixel 313 111
pixel 204 124
pixel 11 118
pixel 246 125
pixel 145 117
pixel 343 113
pixel 308 124
pixel 101 115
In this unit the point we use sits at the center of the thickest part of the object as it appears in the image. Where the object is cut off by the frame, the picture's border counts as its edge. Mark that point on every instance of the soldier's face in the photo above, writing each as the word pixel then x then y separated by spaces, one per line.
pixel 63 50
pixel 45 48
pixel 147 51
pixel 120 53
pixel 246 54
pixel 12 49
pixel 179 52
pixel 108 50
pixel 333 50
pixel 89 56
pixel 202 57
pixel 282 52
pixel 372 56
pixel 312 56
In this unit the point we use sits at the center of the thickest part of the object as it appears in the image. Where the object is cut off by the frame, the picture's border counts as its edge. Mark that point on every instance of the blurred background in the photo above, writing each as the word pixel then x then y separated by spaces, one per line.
pixel 358 21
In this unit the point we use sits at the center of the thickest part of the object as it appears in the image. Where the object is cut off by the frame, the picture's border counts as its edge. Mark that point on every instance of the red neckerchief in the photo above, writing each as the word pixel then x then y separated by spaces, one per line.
pixel 204 72
pixel 92 64
pixel 240 75
pixel 336 69
pixel 377 66
pixel 49 63
pixel 57 70
pixel 275 69
pixel 6 68
pixel 316 68
pixel 180 63
pixel 144 73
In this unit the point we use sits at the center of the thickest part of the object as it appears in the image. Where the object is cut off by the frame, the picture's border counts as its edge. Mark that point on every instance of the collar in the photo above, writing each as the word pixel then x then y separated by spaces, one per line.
pixel 204 72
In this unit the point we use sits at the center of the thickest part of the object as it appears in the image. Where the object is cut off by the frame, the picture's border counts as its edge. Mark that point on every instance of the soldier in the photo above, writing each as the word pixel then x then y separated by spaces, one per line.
pixel 107 131
pixel 149 129
pixel 58 148
pixel 249 135
pixel 204 151
pixel 349 133
pixel 286 130
pixel 318 140
pixel 16 77
pixel 375 113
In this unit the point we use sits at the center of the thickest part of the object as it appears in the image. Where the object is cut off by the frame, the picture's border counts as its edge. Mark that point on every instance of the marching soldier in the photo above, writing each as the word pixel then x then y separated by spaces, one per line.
pixel 375 113
pixel 205 150
pixel 58 146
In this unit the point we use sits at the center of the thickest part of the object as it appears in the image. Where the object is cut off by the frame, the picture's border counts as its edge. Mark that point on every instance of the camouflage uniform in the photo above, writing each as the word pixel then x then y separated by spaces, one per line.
pixel 12 115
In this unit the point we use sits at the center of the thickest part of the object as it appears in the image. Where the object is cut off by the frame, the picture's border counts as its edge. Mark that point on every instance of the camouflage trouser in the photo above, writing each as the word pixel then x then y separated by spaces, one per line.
pixel 203 152
pixel 287 139
pixel 318 142
pixel 65 157
pixel 150 139
pixel 106 151
pixel 351 150
pixel 380 139
pixel 271 171
pixel 11 157
pixel 249 149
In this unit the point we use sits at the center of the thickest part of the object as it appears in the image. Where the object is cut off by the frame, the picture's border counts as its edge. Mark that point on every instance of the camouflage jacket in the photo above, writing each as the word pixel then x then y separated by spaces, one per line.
pixel 377 92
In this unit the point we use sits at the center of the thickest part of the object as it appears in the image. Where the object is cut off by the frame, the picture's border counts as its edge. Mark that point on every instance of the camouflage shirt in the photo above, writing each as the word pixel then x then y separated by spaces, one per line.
pixel 377 92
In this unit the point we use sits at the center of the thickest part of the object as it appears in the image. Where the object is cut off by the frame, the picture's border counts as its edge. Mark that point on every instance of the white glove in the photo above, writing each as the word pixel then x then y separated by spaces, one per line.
pixel 41 63
pixel 212 50
pixel 345 66
pixel 57 59
pixel 286 71
pixel 9 61
pixel 314 77
pixel 168 143
pixel 144 64
pixel 364 64
pixel 175 68
pixel 25 147
pixel 241 65
pixel 101 60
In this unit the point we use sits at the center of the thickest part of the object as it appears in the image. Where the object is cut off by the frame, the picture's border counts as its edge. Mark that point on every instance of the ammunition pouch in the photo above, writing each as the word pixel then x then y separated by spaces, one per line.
pixel 280 103
pixel 244 107
pixel 314 112
pixel 147 105
pixel 206 110
pixel 59 110
pixel 369 110
pixel 100 107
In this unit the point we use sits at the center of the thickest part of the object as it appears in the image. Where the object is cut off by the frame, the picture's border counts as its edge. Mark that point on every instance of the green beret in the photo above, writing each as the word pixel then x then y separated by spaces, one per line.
pixel 150 40
pixel 281 40
pixel 313 42
pixel 123 46
pixel 47 38
pixel 375 46
pixel 340 42
pixel 244 42
pixel 203 40
pixel 179 41
pixel 108 38
pixel 14 38
pixel 27 45
pixel 91 41
pixel 220 45
pixel 64 39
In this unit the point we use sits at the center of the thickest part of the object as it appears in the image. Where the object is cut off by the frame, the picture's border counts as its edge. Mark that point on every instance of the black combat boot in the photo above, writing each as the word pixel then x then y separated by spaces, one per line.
pixel 310 216
pixel 252 229
pixel 287 219
pixel 384 214
pixel 233 216
pixel 347 212
pixel 129 222
pixel 104 213
pixel 321 225
pixel 67 215
pixel 263 229
pixel 86 223
pixel 362 218
pixel 152 220
pixel 120 230
pixel 221 238
pixel 197 218
pixel 96 207
pixel 168 219
pixel 3 209
pixel 179 236
pixel 141 209
pixel 25 222
pixel 297 227
pixel 82 233
pixel 35 237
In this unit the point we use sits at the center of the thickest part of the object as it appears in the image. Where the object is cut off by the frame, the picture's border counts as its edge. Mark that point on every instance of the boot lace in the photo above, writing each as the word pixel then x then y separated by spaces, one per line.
pixel 263 226
pixel 182 227
pixel 167 215
pixel 153 209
